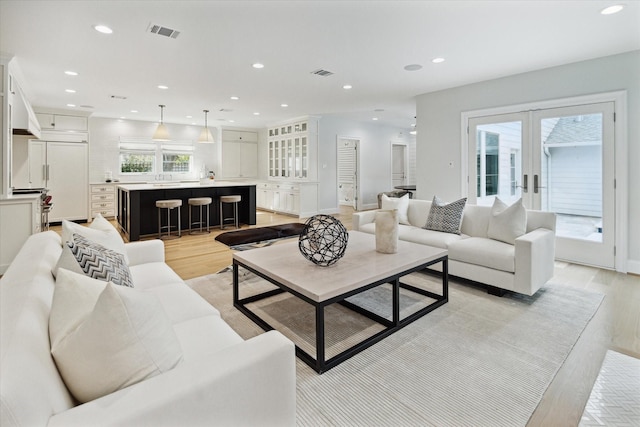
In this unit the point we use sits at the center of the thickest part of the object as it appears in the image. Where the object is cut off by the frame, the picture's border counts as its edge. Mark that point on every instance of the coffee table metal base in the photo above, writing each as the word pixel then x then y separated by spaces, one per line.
pixel 319 362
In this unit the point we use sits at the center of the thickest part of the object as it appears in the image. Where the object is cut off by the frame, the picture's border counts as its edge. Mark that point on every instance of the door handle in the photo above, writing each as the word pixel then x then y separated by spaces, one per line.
pixel 47 173
pixel 536 185
pixel 525 183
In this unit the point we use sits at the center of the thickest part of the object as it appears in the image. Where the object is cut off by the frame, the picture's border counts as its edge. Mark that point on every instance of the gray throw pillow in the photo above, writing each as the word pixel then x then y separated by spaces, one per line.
pixel 445 217
pixel 100 263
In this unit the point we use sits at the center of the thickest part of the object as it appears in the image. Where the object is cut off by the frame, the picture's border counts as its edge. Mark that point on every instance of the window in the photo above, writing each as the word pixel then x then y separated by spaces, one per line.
pixel 137 161
pixel 489 145
pixel 173 162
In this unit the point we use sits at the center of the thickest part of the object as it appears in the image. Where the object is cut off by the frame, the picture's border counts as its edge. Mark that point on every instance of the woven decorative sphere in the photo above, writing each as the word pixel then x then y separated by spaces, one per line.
pixel 323 240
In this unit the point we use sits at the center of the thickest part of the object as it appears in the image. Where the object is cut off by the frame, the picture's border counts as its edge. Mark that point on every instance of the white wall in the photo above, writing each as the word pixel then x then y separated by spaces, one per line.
pixel 375 158
pixel 439 122
pixel 105 134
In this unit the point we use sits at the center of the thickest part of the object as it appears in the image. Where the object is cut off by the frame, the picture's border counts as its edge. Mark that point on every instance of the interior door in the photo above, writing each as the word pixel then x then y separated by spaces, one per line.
pixel 348 172
pixel 559 160
pixel 68 180
pixel 398 164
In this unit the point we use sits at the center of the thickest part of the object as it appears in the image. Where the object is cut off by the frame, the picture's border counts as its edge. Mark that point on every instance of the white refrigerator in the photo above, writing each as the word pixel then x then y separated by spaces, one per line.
pixel 62 167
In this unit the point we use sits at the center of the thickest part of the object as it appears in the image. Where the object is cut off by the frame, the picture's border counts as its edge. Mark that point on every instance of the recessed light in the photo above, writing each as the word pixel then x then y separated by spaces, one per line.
pixel 234 98
pixel 413 67
pixel 189 117
pixel 71 105
pixel 374 118
pixel 134 111
pixel 231 121
pixel 70 90
pixel 413 125
pixel 71 73
pixel 413 132
pixel 256 114
pixel 612 9
pixel 121 117
pixel 163 87
pixel 437 60
pixel 258 65
pixel 284 105
pixel 347 87
pixel 103 29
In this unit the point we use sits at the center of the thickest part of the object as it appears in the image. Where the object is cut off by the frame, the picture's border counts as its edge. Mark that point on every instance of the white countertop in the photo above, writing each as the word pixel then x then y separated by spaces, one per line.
pixel 15 197
pixel 195 184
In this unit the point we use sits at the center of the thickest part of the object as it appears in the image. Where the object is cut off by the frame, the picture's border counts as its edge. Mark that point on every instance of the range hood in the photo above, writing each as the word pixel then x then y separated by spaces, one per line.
pixel 24 120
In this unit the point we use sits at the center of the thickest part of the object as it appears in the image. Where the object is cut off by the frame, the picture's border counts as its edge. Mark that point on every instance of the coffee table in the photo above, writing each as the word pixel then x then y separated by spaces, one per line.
pixel 361 269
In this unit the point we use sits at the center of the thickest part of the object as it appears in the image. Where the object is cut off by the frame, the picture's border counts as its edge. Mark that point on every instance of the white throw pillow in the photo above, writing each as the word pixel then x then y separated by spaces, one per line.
pixel 99 231
pixel 401 204
pixel 507 222
pixel 101 345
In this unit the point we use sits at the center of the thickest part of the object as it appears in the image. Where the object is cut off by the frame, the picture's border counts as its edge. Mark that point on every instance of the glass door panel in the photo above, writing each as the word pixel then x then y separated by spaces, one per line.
pixel 574 179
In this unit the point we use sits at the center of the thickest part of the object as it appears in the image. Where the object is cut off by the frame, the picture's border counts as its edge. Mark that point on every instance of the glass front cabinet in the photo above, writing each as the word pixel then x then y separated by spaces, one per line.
pixel 293 150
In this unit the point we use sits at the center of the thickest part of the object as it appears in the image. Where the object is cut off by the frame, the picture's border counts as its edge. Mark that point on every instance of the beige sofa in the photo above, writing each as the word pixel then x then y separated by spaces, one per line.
pixel 222 380
pixel 522 267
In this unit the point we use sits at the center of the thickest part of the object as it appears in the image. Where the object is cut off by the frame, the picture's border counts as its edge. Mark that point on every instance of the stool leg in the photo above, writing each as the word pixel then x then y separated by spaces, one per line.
pixel 169 222
pixel 190 219
pixel 159 224
pixel 207 218
pixel 200 219
pixel 179 223
pixel 235 213
pixel 221 217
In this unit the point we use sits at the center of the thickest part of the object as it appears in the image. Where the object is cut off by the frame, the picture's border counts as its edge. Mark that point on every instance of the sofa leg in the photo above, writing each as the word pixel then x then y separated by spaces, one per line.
pixel 492 290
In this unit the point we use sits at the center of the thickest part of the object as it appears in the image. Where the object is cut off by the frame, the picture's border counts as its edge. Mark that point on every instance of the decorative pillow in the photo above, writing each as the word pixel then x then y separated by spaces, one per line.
pixel 100 231
pixel 507 222
pixel 82 256
pixel 401 204
pixel 118 340
pixel 446 217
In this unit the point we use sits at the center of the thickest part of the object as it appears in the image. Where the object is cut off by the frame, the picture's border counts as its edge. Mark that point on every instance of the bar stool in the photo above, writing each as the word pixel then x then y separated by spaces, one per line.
pixel 200 202
pixel 168 205
pixel 235 199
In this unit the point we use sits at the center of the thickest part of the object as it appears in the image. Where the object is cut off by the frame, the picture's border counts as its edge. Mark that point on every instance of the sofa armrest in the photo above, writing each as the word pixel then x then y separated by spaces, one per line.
pixel 361 218
pixel 145 251
pixel 251 383
pixel 535 258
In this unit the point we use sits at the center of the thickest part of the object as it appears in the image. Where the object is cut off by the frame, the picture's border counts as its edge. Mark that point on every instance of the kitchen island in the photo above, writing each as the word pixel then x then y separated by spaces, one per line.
pixel 138 215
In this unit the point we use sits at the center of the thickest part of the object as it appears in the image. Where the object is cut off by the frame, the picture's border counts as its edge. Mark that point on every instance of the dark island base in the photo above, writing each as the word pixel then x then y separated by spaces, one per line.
pixel 138 215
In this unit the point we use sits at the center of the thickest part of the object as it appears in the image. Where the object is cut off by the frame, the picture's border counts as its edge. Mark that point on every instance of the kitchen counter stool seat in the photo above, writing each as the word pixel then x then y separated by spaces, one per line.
pixel 168 205
pixel 200 202
pixel 234 199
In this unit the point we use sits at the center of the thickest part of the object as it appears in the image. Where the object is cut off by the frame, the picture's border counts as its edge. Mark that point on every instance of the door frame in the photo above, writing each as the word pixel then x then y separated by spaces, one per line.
pixel 406 161
pixel 621 172
pixel 357 191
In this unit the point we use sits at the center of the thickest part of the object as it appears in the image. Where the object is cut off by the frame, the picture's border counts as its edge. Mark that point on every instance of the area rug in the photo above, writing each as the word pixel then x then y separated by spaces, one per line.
pixel 479 360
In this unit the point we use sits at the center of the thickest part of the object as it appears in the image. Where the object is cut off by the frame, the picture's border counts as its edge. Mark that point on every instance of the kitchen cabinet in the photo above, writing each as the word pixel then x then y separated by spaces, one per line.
pixel 293 198
pixel 292 150
pixel 102 200
pixel 239 154
pixel 21 218
pixel 61 122
pixel 62 167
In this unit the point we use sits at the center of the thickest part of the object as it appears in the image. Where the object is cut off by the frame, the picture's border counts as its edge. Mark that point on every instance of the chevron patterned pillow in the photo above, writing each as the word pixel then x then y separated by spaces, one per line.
pixel 445 217
pixel 100 263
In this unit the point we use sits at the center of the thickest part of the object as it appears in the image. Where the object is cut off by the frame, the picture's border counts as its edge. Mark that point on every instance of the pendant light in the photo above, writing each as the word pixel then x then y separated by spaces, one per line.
pixel 161 133
pixel 205 136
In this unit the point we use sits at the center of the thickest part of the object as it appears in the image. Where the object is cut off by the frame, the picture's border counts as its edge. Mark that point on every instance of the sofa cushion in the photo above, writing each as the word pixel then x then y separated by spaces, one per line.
pixel 100 231
pixel 192 333
pixel 507 222
pixel 101 346
pixel 401 204
pixel 152 274
pixel 85 257
pixel 485 252
pixel 181 303
pixel 445 217
pixel 427 237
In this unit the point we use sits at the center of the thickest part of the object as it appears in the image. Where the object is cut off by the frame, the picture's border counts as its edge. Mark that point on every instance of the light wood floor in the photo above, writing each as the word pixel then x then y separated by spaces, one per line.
pixel 616 325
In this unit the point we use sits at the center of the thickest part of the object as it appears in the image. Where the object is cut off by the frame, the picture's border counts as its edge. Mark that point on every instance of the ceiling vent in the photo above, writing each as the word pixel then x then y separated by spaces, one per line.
pixel 322 73
pixel 163 31
pixel 225 110
pixel 117 97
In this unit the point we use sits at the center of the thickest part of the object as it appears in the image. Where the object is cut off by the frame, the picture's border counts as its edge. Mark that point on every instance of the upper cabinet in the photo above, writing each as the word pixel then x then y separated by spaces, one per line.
pixel 62 122
pixel 239 154
pixel 292 150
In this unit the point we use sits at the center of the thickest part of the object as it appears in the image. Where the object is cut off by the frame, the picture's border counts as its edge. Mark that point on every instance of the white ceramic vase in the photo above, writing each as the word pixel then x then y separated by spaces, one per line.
pixel 387 231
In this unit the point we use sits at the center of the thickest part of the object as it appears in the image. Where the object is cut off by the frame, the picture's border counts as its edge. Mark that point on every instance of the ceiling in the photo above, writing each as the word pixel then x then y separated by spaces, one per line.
pixel 365 44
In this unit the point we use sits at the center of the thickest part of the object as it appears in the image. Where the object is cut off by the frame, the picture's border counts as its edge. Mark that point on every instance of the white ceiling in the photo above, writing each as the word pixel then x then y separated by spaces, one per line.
pixel 365 43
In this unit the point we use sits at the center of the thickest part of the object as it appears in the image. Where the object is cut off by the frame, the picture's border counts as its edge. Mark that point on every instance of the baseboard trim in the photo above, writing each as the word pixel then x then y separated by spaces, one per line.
pixel 633 266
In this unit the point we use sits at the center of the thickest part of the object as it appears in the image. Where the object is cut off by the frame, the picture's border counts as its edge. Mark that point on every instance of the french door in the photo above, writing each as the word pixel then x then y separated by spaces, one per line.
pixel 558 160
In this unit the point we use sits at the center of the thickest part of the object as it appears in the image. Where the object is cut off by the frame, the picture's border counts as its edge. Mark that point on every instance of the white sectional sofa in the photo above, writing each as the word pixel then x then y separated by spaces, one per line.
pixel 221 380
pixel 522 267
